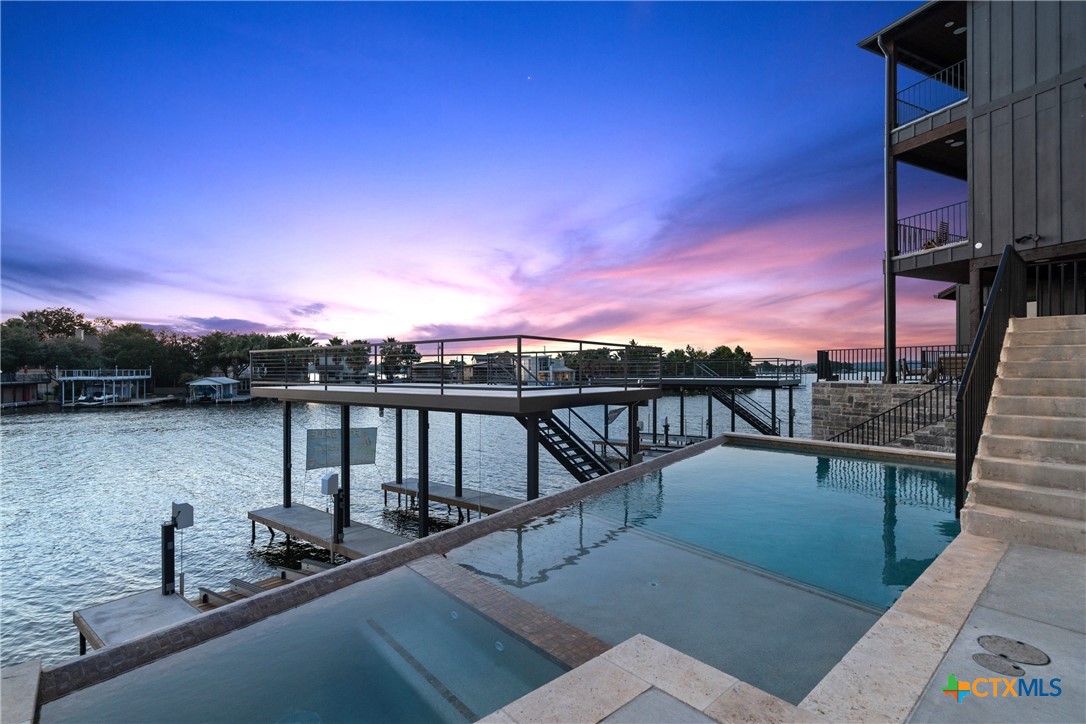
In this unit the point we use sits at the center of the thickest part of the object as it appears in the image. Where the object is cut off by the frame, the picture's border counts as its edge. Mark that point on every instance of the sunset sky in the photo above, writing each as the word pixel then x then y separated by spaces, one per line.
pixel 676 173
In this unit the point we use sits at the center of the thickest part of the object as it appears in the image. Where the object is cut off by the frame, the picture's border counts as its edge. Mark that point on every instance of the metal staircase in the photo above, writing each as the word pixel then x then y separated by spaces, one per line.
pixel 750 411
pixel 571 451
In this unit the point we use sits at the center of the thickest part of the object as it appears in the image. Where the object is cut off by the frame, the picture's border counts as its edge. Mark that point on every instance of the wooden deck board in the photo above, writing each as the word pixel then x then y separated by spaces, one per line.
pixel 315 526
pixel 476 500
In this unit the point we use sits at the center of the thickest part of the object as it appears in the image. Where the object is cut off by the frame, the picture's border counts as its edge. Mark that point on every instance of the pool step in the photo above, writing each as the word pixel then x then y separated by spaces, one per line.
pixel 1029 479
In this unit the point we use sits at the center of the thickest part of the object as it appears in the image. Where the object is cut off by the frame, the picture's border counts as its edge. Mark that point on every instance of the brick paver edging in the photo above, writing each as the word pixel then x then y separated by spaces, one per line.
pixel 115 660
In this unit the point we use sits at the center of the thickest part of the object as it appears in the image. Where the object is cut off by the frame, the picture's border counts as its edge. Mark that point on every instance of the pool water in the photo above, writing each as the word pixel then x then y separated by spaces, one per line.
pixel 766 565
pixel 394 648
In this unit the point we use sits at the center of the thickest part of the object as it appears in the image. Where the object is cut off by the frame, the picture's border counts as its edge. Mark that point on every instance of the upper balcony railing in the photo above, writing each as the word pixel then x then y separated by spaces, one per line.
pixel 762 368
pixel 934 93
pixel 932 229
pixel 523 362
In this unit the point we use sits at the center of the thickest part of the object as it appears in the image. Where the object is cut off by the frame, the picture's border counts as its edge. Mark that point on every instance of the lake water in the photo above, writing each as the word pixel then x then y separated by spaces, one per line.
pixel 83 494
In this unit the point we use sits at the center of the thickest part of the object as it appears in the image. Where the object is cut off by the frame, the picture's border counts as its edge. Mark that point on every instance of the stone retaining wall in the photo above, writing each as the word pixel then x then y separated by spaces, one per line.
pixel 837 406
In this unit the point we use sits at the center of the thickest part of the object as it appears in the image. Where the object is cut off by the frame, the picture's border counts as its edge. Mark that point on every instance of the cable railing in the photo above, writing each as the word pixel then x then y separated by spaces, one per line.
pixel 927 408
pixel 933 229
pixel 1007 299
pixel 912 363
pixel 102 373
pixel 944 88
pixel 525 363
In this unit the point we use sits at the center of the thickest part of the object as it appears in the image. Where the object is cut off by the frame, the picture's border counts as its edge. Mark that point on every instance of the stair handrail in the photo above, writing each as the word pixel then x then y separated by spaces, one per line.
pixel 901 415
pixel 598 434
pixel 756 409
pixel 1006 300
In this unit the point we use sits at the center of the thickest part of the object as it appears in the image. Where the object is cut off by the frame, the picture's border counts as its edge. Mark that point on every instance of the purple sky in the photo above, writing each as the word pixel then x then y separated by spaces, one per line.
pixel 679 173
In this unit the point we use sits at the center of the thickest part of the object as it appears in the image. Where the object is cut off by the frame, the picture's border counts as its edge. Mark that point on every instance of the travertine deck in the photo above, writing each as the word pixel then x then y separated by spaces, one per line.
pixel 476 500
pixel 315 526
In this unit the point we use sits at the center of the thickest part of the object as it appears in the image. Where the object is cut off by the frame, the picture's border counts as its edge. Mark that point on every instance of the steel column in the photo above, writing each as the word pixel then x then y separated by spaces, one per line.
pixel 633 437
pixel 458 425
pixel 890 200
pixel 424 473
pixel 399 446
pixel 709 414
pixel 682 411
pixel 533 457
pixel 345 460
pixel 286 454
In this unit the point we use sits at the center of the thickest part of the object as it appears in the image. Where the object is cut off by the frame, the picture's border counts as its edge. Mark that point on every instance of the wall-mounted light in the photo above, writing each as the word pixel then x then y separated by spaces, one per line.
pixel 978 245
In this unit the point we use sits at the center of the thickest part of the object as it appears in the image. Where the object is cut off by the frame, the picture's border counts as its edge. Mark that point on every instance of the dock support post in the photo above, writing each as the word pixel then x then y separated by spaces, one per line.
pixel 167 558
pixel 773 407
pixel 82 645
pixel 345 460
pixel 286 454
pixel 458 425
pixel 682 411
pixel 733 409
pixel 632 435
pixel 791 414
pixel 654 421
pixel 709 415
pixel 606 427
pixel 424 473
pixel 399 446
pixel 533 456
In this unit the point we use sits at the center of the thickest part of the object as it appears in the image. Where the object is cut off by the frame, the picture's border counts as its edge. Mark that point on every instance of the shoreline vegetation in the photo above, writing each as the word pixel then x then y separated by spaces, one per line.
pixel 61 337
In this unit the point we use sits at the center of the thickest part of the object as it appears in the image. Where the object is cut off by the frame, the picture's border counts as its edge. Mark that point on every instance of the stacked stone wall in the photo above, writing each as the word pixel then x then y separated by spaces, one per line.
pixel 837 406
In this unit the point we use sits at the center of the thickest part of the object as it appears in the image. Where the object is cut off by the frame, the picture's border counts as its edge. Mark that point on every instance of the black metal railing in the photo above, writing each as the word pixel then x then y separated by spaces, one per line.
pixel 24 378
pixel 933 229
pixel 524 362
pixel 927 408
pixel 763 368
pixel 1007 299
pixel 934 93
pixel 1059 287
pixel 913 363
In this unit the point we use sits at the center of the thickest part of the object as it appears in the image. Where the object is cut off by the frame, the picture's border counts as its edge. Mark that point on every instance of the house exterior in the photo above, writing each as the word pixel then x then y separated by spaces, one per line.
pixel 1001 106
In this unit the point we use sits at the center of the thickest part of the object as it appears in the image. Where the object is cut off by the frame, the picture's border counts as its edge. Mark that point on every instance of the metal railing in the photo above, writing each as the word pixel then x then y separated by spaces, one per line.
pixel 775 368
pixel 933 229
pixel 927 408
pixel 1059 287
pixel 1007 299
pixel 523 362
pixel 912 363
pixel 101 373
pixel 24 378
pixel 934 93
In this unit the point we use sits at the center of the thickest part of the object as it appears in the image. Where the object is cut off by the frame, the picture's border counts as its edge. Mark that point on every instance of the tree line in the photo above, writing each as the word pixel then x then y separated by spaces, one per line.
pixel 61 337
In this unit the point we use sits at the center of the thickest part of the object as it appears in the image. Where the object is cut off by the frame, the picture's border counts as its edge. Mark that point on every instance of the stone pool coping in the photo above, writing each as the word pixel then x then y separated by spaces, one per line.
pixel 112 661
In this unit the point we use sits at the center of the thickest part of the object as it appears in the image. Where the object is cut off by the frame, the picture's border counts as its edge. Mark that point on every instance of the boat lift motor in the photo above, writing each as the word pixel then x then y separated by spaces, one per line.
pixel 181 517
pixel 330 486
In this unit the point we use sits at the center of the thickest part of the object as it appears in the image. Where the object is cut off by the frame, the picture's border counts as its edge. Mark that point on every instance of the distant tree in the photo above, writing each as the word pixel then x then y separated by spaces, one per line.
pixel 335 342
pixel 397 357
pixel 358 356
pixel 131 346
pixel 57 322
pixel 295 339
pixel 178 359
pixel 20 345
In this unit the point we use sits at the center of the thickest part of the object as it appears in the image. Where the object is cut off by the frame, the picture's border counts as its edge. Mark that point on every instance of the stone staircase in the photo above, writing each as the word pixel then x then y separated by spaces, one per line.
pixel 1029 478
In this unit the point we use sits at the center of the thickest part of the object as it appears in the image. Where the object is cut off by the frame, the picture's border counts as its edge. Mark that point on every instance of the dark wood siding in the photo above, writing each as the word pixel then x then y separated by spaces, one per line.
pixel 1048 156
pixel 980 85
pixel 1048 26
pixel 1073 41
pixel 1073 155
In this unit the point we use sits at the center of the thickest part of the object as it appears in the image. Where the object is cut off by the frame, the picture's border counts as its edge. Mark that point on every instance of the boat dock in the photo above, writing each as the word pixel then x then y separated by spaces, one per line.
pixel 479 501
pixel 130 617
pixel 315 526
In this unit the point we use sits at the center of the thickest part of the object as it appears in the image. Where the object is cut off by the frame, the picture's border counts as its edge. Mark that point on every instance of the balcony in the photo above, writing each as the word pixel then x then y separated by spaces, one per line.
pixel 933 94
pixel 933 229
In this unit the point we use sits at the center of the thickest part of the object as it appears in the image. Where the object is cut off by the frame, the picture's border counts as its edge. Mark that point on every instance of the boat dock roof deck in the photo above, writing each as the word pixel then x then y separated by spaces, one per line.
pixel 469 398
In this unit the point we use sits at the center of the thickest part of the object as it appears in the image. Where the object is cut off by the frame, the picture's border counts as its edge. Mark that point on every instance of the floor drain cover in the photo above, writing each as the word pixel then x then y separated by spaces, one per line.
pixel 1014 650
pixel 999 664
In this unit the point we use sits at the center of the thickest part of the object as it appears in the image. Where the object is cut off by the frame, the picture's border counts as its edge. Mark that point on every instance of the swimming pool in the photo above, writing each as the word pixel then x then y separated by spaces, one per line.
pixel 768 565
pixel 392 648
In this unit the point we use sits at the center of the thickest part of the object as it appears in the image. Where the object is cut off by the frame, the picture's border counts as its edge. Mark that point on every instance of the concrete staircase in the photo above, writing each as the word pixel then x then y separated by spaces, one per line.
pixel 1029 479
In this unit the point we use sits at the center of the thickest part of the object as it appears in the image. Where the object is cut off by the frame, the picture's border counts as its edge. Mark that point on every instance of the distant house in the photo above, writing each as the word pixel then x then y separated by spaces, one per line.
pixel 215 389
pixel 25 387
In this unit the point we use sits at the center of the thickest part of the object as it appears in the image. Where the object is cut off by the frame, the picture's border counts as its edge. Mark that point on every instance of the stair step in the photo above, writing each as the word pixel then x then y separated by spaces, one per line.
pixel 1062 428
pixel 1043 353
pixel 1053 475
pixel 1044 450
pixel 1028 528
pixel 1047 387
pixel 1047 369
pixel 1056 502
pixel 1046 337
pixel 1043 406
pixel 1063 321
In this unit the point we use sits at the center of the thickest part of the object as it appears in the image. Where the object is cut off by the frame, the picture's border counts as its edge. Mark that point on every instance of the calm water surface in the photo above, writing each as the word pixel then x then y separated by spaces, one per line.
pixel 83 494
